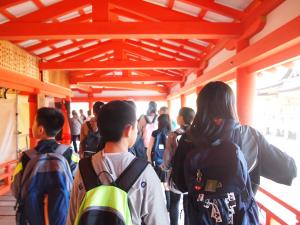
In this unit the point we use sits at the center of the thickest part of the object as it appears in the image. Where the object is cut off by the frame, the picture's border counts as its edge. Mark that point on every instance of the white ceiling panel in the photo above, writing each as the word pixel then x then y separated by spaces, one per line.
pixel 22 9
pixel 186 8
pixel 236 4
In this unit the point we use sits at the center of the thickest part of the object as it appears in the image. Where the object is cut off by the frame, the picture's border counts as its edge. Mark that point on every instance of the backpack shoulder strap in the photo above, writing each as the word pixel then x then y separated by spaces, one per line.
pixel 154 119
pixel 88 174
pixel 131 174
pixel 147 119
pixel 61 149
pixel 88 123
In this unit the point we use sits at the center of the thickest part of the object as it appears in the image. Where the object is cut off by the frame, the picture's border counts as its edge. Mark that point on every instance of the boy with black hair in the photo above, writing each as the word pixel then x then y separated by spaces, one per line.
pixel 184 120
pixel 118 127
pixel 42 171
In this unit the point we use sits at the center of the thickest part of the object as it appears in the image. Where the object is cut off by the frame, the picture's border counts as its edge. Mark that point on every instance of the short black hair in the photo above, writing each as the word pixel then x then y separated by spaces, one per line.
pixel 97 106
pixel 188 115
pixel 152 108
pixel 112 119
pixel 51 119
pixel 164 110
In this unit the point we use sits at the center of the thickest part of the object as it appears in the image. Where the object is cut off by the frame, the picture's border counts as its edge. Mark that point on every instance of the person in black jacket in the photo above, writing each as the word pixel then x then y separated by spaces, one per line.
pixel 215 118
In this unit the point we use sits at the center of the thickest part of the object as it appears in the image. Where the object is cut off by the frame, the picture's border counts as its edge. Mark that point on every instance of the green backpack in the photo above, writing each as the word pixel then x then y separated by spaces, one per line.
pixel 107 204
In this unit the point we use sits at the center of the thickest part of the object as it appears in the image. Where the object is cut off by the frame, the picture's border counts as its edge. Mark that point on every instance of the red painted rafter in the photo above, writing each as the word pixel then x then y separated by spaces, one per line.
pixel 100 10
pixel 143 53
pixel 157 49
pixel 64 48
pixel 191 44
pixel 95 73
pixel 4 4
pixel 156 73
pixel 8 15
pixel 97 50
pixel 127 86
pixel 124 79
pixel 171 4
pixel 119 12
pixel 112 98
pixel 38 4
pixel 54 11
pixel 120 65
pixel 151 12
pixel 78 53
pixel 172 30
pixel 217 8
pixel 43 44
pixel 160 43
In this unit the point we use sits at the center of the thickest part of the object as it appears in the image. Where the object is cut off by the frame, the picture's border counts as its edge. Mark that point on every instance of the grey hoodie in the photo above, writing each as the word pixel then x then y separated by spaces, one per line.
pixel 146 202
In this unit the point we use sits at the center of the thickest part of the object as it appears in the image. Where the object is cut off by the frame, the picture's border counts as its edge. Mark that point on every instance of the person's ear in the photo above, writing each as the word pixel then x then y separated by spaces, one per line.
pixel 41 130
pixel 127 131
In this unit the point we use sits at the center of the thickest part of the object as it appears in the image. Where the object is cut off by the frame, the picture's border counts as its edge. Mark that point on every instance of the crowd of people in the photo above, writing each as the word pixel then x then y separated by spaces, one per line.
pixel 134 171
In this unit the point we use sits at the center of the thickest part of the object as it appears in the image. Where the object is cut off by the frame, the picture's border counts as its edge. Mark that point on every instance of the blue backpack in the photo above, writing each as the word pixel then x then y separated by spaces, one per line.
pixel 158 148
pixel 219 186
pixel 46 176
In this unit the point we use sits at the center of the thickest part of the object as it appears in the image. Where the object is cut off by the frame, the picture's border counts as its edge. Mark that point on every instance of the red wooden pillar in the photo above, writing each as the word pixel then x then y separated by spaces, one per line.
pixel 32 100
pixel 66 133
pixel 245 95
pixel 183 100
pixel 246 89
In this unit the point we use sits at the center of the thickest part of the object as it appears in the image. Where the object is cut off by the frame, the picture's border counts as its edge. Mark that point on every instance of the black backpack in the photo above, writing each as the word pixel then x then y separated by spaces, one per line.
pixel 157 152
pixel 219 186
pixel 92 141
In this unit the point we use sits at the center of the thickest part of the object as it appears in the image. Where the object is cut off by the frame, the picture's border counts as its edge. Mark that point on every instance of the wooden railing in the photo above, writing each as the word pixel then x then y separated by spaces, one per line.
pixel 270 217
pixel 6 173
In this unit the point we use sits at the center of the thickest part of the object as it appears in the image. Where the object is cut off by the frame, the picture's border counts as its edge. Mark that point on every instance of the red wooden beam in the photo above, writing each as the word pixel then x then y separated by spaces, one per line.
pixel 100 10
pixel 172 30
pixel 25 83
pixel 125 79
pixel 127 86
pixel 113 98
pixel 120 65
pixel 261 10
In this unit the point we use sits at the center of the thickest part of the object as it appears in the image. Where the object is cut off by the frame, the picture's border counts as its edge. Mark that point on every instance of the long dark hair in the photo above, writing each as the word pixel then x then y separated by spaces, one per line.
pixel 215 103
pixel 164 123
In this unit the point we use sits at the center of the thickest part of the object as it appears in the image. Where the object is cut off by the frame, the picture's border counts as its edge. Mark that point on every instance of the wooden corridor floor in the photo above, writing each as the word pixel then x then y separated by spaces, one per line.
pixel 7 212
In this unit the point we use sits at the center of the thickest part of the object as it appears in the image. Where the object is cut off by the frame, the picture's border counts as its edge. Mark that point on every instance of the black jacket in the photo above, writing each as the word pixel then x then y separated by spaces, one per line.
pixel 263 159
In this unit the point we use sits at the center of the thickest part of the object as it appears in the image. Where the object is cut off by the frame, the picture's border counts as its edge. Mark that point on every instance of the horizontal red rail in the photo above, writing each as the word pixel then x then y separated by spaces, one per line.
pixel 6 175
pixel 270 216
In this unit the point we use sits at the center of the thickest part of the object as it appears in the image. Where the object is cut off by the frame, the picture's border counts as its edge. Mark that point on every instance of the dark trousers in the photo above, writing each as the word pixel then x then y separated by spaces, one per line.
pixel 74 139
pixel 174 208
